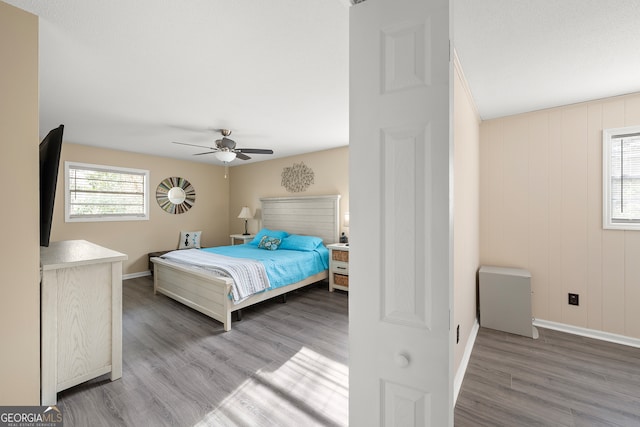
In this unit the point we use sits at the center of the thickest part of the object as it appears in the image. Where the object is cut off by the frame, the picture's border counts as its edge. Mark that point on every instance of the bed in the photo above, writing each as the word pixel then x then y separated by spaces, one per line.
pixel 212 295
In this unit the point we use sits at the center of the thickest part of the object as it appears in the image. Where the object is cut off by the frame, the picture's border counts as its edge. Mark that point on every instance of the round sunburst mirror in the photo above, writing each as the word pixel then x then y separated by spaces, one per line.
pixel 175 195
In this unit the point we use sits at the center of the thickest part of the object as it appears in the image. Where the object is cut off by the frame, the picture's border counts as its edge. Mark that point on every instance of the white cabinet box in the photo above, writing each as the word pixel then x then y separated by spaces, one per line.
pixel 505 300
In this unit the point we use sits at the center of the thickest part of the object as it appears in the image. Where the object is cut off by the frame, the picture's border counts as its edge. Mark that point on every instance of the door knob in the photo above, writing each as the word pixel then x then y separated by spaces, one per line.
pixel 401 360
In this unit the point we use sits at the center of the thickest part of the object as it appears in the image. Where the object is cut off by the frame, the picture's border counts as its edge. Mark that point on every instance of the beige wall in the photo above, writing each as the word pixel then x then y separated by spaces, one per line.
pixel 20 253
pixel 137 238
pixel 541 209
pixel 218 200
pixel 248 183
pixel 466 216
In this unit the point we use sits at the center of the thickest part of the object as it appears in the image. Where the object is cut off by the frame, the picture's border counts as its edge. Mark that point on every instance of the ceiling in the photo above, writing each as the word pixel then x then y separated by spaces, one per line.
pixel 525 55
pixel 137 75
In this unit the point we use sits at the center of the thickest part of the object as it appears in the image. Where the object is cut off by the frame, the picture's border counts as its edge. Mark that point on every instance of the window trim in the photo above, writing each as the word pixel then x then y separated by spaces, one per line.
pixel 106 218
pixel 608 135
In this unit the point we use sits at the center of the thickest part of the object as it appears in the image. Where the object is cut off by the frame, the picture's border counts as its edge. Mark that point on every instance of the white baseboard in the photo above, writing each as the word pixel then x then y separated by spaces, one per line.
pixel 462 369
pixel 589 333
pixel 134 275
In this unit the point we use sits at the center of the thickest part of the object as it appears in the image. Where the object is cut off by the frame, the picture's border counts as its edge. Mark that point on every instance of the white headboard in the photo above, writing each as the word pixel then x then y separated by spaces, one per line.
pixel 306 215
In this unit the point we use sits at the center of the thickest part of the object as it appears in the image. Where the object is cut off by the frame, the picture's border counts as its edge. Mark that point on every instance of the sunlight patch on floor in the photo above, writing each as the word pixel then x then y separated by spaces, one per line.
pixel 309 389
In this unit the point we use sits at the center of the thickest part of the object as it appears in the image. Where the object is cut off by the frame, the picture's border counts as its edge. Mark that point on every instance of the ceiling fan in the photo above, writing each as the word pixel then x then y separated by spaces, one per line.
pixel 225 149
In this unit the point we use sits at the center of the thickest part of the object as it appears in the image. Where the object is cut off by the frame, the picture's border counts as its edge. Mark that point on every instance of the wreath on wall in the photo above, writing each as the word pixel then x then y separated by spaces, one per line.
pixel 297 178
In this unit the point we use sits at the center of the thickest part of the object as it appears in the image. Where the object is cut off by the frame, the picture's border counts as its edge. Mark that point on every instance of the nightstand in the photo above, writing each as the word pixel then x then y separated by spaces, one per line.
pixel 246 238
pixel 153 255
pixel 338 266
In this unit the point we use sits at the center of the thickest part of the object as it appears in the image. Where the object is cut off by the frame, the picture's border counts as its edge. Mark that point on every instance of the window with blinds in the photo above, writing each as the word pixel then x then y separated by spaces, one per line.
pixel 621 178
pixel 105 193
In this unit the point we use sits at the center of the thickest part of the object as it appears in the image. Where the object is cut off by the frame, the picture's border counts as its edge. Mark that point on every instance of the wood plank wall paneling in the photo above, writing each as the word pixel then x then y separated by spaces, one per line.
pixel 573 213
pixel 613 245
pixel 631 283
pixel 495 196
pixel 541 209
pixel 515 201
pixel 632 248
pixel 632 111
pixel 555 221
pixel 594 217
pixel 484 185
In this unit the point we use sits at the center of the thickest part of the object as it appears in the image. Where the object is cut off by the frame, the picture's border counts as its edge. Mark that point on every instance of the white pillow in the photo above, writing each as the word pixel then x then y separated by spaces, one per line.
pixel 189 239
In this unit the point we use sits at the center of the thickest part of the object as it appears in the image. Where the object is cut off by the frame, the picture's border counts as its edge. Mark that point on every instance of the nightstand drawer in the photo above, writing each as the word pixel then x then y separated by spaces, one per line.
pixel 340 267
pixel 337 255
pixel 341 280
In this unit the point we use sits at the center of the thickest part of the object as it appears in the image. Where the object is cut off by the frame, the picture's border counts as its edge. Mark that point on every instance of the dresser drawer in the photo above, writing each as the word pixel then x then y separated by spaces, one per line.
pixel 340 267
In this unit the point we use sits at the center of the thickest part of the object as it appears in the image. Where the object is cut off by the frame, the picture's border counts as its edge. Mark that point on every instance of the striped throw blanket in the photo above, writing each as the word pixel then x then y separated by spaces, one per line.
pixel 249 276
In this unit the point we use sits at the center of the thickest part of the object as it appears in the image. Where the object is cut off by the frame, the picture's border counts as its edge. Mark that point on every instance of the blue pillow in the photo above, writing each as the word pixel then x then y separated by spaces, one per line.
pixel 278 234
pixel 269 243
pixel 295 242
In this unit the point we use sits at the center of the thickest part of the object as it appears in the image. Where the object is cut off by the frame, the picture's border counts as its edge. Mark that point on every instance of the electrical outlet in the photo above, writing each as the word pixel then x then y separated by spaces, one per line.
pixel 574 299
pixel 458 334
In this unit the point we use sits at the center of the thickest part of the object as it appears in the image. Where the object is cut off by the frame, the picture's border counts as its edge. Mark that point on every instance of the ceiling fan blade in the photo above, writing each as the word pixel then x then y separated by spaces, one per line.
pixel 193 145
pixel 253 151
pixel 200 154
pixel 242 156
pixel 227 143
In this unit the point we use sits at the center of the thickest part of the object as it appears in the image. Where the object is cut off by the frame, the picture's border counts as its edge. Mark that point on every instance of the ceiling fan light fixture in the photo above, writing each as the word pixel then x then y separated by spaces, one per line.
pixel 225 149
pixel 225 156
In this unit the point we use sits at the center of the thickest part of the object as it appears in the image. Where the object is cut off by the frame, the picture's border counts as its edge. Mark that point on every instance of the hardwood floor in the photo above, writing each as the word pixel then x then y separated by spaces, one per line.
pixel 282 365
pixel 557 380
pixel 287 365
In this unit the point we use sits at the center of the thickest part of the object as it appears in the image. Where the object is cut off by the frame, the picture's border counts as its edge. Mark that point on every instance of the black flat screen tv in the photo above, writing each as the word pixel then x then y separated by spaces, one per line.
pixel 50 149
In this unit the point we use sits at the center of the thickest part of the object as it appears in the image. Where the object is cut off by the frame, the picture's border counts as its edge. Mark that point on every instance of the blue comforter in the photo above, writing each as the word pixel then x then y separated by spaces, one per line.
pixel 283 267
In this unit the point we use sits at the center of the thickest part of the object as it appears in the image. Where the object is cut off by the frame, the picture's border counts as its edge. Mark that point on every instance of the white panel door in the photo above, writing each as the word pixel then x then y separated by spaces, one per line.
pixel 401 219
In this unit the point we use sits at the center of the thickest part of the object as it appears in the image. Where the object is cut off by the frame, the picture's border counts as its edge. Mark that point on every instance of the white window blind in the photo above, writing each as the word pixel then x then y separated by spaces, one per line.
pixel 105 193
pixel 621 183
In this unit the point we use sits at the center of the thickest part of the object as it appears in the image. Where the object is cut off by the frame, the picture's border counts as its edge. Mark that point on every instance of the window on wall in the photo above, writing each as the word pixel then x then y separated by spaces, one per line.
pixel 621 178
pixel 105 193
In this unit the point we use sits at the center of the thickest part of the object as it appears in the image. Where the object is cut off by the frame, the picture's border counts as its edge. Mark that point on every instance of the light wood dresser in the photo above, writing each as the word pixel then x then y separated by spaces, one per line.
pixel 81 315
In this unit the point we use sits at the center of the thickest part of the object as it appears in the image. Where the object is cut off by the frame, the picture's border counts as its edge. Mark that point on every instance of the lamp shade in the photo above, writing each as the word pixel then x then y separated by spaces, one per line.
pixel 245 213
pixel 225 156
pixel 346 220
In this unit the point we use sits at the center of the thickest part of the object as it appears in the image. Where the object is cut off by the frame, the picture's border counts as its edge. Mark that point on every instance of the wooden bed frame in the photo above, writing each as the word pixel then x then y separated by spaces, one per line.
pixel 310 215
